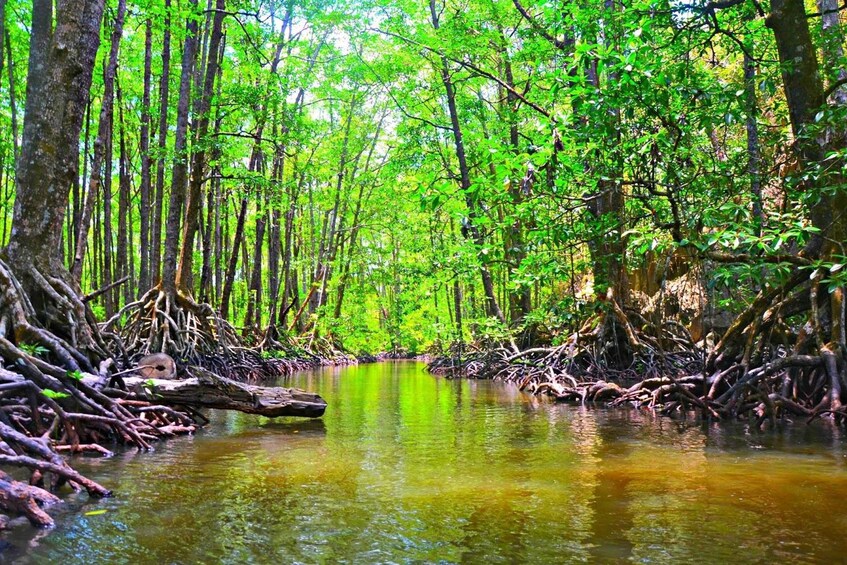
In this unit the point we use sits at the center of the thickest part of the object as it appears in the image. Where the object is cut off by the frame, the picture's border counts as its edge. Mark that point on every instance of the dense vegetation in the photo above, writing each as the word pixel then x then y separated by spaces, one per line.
pixel 636 189
pixel 418 174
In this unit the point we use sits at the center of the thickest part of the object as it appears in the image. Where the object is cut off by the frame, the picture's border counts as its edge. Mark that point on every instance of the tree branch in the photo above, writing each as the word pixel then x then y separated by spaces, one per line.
pixel 474 68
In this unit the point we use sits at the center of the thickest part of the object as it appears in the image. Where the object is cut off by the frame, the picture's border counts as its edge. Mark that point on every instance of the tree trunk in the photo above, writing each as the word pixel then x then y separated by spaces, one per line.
pixel 124 259
pixel 229 279
pixel 805 96
pixel 832 33
pixel 179 172
pixel 520 302
pixel 61 62
pixel 469 228
pixel 108 241
pixel 159 200
pixel 13 103
pixel 100 142
pixel 754 152
pixel 253 317
pixel 198 163
pixel 144 279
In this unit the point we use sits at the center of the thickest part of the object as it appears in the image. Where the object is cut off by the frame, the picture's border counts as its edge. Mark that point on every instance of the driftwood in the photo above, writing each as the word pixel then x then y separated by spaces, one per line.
pixel 206 390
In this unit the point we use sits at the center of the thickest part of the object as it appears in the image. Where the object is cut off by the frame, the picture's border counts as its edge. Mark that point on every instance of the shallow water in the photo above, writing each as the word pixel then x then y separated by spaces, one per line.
pixel 407 467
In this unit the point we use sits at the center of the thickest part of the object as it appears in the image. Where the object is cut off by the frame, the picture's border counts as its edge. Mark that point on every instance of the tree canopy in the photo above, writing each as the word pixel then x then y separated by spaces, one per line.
pixel 393 175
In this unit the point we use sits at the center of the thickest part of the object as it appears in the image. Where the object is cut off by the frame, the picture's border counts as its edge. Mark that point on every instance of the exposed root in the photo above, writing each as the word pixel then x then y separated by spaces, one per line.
pixel 194 334
pixel 26 500
pixel 163 322
pixel 53 367
pixel 620 358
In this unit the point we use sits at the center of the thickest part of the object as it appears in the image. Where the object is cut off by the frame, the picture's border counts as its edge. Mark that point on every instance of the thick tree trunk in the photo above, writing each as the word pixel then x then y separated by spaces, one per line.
pixel 805 96
pixel 832 32
pixel 61 63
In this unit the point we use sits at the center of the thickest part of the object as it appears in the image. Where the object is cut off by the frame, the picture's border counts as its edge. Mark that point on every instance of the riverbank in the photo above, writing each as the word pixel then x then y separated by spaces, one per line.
pixel 671 383
pixel 136 405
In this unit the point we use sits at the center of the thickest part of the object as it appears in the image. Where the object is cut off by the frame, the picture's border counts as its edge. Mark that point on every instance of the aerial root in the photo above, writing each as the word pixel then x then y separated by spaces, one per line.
pixel 619 358
pixel 172 323
pixel 52 395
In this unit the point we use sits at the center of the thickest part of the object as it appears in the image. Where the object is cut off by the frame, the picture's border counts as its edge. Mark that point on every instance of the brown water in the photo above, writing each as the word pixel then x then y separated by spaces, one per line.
pixel 406 467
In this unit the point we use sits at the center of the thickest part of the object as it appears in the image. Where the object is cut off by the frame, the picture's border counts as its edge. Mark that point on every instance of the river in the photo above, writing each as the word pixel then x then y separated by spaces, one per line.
pixel 407 467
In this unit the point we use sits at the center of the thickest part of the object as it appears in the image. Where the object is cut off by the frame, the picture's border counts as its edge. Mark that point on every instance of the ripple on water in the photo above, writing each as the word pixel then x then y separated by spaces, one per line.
pixel 406 467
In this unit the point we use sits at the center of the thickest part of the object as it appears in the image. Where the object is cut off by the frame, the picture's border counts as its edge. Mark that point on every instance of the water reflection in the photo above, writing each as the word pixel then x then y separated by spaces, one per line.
pixel 405 467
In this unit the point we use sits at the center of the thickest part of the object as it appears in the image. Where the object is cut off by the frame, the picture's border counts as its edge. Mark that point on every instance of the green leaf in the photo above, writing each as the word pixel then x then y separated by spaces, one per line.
pixel 31 349
pixel 96 512
pixel 55 395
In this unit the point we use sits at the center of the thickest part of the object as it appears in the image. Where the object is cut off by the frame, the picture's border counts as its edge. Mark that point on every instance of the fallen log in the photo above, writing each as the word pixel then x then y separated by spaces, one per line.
pixel 207 390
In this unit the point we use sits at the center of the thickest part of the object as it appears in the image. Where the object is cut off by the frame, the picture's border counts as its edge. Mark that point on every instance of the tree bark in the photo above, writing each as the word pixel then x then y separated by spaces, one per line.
pixel 520 302
pixel 207 390
pixel 229 278
pixel 61 63
pixel 13 103
pixel 100 142
pixel 253 317
pixel 144 279
pixel 754 152
pixel 124 262
pixel 108 241
pixel 180 167
pixel 159 199
pixel 805 96
pixel 198 163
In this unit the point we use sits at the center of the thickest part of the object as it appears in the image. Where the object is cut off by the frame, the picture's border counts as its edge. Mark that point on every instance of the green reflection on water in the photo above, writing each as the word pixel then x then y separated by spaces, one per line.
pixel 406 467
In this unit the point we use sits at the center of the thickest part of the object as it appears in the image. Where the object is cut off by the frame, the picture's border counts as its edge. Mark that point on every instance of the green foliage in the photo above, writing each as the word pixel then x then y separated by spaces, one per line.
pixel 75 375
pixel 35 350
pixel 49 393
pixel 150 388
pixel 359 179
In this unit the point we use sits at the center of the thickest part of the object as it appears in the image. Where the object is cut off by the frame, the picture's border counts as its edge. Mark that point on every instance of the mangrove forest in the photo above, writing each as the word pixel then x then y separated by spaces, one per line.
pixel 318 224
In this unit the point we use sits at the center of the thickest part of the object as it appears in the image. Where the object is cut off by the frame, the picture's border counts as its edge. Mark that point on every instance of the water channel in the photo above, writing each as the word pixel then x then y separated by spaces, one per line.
pixel 407 467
